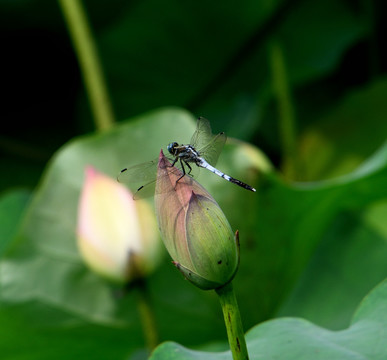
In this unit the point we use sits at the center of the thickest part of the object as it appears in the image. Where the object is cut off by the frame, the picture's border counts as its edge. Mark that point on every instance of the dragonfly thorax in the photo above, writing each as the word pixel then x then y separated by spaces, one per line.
pixel 187 153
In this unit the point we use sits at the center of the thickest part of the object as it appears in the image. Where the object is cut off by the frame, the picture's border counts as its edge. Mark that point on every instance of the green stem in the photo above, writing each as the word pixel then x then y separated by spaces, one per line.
pixel 232 319
pixel 287 121
pixel 146 315
pixel 91 69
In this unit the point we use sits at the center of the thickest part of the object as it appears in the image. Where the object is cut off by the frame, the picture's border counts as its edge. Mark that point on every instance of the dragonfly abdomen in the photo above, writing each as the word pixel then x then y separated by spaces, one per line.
pixel 241 183
pixel 206 165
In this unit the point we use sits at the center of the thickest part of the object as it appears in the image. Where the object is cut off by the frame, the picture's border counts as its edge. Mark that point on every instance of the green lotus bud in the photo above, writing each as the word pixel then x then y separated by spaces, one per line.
pixel 117 236
pixel 194 229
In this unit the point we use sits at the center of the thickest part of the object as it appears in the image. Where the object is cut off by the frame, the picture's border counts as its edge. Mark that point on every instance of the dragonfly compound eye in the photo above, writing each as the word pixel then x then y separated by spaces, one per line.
pixel 171 147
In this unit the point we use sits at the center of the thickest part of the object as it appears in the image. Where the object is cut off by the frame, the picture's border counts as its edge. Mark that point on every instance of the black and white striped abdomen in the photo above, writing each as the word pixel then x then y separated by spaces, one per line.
pixel 206 165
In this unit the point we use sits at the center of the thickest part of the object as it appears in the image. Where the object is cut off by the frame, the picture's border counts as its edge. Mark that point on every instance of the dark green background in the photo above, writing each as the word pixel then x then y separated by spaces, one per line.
pixel 313 239
pixel 211 59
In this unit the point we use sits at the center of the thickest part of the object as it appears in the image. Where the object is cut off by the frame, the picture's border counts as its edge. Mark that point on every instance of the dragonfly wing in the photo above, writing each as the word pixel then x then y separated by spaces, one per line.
pixel 149 189
pixel 145 191
pixel 202 135
pixel 140 173
pixel 211 151
pixel 144 175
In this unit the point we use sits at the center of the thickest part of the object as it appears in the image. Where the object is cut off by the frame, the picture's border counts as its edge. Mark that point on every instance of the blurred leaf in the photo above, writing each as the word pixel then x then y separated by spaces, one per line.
pixel 48 235
pixel 22 13
pixel 45 268
pixel 314 36
pixel 280 227
pixel 46 14
pixel 210 59
pixel 21 338
pixel 349 258
pixel 12 205
pixel 339 141
pixel 281 230
pixel 300 339
pixel 177 54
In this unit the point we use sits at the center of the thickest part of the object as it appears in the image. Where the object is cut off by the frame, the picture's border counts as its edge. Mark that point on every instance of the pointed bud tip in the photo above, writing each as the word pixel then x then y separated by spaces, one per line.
pixel 90 171
pixel 237 237
pixel 163 161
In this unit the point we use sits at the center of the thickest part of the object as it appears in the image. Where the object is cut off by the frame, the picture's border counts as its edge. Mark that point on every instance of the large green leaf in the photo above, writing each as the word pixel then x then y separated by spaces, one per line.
pixel 346 135
pixel 12 205
pixel 282 231
pixel 349 258
pixel 57 335
pixel 289 338
pixel 281 226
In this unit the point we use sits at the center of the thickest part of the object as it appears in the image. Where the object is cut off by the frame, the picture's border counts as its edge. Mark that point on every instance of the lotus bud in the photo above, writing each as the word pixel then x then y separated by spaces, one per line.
pixel 117 236
pixel 194 229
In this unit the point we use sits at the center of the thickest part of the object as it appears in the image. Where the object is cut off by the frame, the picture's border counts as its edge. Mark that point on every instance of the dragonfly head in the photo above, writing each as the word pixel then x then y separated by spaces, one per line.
pixel 172 147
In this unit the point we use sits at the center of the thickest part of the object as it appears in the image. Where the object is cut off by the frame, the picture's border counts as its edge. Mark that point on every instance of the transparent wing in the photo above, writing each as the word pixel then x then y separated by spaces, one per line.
pixel 139 173
pixel 209 146
pixel 149 189
pixel 145 191
pixel 143 176
pixel 202 135
pixel 212 150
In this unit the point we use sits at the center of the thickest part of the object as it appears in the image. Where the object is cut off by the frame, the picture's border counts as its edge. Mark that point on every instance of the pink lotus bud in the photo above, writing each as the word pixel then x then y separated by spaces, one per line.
pixel 117 236
pixel 194 229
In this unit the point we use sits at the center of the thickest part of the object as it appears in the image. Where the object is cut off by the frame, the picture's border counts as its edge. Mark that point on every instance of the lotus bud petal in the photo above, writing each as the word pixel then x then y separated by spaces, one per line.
pixel 117 236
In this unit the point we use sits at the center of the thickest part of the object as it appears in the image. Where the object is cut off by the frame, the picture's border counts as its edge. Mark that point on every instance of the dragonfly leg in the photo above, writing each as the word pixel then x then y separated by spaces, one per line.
pixel 189 167
pixel 183 168
pixel 174 161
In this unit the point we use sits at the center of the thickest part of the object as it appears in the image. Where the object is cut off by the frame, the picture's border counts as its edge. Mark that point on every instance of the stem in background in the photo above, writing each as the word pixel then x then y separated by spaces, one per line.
pixel 91 69
pixel 232 319
pixel 287 121
pixel 146 315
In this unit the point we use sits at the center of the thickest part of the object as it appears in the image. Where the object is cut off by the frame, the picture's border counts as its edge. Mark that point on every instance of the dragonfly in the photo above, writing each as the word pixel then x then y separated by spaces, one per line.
pixel 203 151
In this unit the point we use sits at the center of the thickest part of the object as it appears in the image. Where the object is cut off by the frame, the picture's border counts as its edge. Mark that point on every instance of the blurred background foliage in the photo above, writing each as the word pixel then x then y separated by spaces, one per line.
pixel 303 81
pixel 213 60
